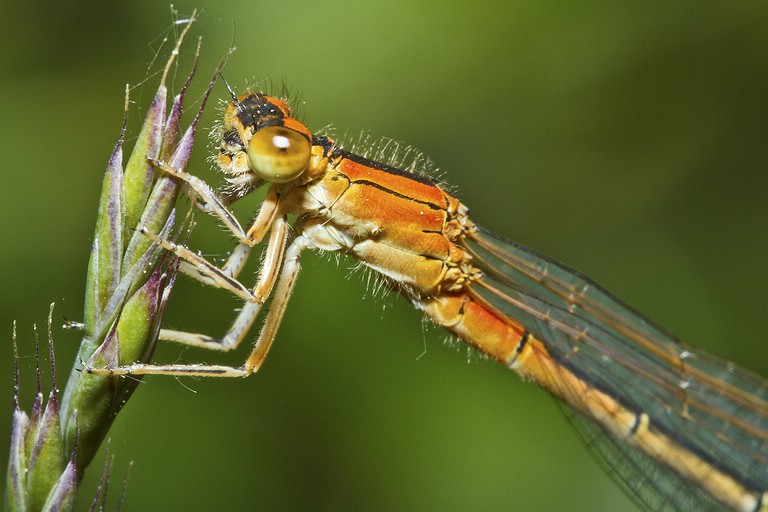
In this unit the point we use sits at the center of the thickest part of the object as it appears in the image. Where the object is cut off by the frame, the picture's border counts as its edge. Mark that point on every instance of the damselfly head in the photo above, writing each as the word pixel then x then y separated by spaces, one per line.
pixel 261 142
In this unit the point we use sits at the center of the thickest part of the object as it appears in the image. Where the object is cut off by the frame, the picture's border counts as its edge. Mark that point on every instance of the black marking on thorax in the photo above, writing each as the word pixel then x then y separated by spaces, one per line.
pixel 388 168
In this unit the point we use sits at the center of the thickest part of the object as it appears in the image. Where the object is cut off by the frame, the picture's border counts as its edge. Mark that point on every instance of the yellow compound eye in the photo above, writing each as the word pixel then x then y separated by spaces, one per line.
pixel 278 154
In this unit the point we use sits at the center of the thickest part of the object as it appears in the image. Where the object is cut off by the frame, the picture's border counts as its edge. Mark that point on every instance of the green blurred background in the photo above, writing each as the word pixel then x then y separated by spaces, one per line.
pixel 626 139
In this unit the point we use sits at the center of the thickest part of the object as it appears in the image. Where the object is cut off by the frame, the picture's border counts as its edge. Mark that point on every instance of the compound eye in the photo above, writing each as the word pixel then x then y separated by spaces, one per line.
pixel 278 154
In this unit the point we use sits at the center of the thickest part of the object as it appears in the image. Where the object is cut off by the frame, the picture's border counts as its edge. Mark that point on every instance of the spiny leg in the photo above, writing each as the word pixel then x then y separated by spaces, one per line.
pixel 283 290
pixel 225 277
pixel 214 205
pixel 264 284
pixel 210 201
pixel 201 269
pixel 265 219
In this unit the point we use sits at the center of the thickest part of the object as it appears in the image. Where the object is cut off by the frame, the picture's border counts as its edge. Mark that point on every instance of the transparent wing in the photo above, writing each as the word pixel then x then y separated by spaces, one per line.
pixel 711 406
pixel 649 484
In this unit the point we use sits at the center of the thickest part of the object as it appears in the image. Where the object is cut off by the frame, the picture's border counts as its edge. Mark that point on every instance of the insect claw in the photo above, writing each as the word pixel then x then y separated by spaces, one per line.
pixel 85 367
pixel 71 325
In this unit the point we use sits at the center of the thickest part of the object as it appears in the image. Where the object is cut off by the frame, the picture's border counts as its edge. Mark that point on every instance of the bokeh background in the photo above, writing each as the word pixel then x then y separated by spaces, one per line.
pixel 626 139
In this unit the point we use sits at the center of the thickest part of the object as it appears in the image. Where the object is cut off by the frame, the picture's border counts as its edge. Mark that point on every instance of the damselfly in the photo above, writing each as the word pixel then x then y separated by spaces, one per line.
pixel 680 429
